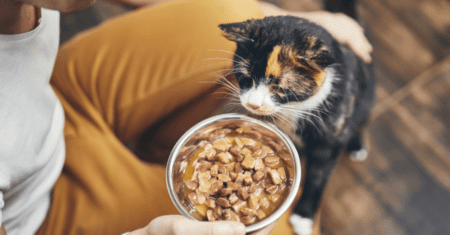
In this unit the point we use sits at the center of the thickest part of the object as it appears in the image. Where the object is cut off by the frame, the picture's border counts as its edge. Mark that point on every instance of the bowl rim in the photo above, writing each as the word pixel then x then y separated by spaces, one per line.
pixel 185 137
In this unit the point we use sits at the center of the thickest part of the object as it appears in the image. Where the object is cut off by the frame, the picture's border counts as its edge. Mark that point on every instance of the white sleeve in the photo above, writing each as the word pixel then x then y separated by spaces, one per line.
pixel 2 204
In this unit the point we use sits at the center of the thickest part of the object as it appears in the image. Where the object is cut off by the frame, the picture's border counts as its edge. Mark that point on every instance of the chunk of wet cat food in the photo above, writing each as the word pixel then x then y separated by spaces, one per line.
pixel 223 202
pixel 259 165
pixel 260 214
pixel 259 154
pixel 248 219
pixel 193 198
pixel 282 173
pixel 248 181
pixel 215 187
pixel 271 161
pixel 214 171
pixel 264 203
pixel 237 174
pixel 233 176
pixel 238 167
pixel 224 157
pixel 238 205
pixel 224 178
pixel 218 212
pixel 223 170
pixel 226 192
pixel 271 189
pixel 248 163
pixel 201 196
pixel 275 145
pixel 205 186
pixel 247 211
pixel 274 198
pixel 204 166
pixel 210 154
pixel 210 203
pixel 252 188
pixel 222 145
pixel 248 142
pixel 210 215
pixel 240 178
pixel 253 201
pixel 233 198
pixel 204 176
pixel 192 185
pixel 238 143
pixel 230 215
pixel 275 177
pixel 242 193
pixel 258 176
pixel 234 186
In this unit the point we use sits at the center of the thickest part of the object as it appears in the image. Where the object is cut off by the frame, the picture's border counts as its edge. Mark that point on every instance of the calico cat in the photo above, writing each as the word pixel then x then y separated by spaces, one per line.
pixel 293 72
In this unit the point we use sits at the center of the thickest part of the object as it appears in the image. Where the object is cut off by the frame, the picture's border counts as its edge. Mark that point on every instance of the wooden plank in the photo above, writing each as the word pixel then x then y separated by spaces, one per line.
pixel 440 69
pixel 407 54
pixel 428 21
pixel 400 189
pixel 348 207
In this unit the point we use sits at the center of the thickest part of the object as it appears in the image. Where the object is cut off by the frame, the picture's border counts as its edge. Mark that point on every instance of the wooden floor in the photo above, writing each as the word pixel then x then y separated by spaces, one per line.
pixel 404 186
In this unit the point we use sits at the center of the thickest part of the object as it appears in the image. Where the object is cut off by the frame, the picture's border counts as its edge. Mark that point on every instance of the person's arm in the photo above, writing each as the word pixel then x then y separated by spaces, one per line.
pixel 16 17
pixel 133 4
pixel 2 230
pixel 345 29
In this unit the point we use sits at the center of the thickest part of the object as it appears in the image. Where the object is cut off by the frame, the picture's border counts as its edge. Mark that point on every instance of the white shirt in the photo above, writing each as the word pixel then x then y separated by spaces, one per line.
pixel 32 147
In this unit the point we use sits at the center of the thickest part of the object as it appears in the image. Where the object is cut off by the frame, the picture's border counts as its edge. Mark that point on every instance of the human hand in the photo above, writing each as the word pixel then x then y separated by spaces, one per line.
pixel 180 225
pixel 343 28
pixel 134 4
pixel 346 30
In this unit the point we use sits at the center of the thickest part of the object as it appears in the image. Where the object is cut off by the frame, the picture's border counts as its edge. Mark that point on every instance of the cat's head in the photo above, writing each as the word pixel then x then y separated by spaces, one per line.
pixel 279 62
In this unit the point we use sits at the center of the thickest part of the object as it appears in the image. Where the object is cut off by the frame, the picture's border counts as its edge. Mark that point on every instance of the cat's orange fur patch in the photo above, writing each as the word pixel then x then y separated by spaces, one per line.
pixel 319 77
pixel 274 67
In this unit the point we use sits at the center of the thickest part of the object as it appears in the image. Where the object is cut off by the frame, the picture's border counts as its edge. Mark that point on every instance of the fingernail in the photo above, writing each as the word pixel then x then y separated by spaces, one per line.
pixel 239 229
pixel 229 228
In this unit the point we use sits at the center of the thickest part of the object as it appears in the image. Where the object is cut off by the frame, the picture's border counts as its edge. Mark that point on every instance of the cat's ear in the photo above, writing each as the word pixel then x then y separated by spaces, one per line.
pixel 237 32
pixel 323 58
pixel 316 60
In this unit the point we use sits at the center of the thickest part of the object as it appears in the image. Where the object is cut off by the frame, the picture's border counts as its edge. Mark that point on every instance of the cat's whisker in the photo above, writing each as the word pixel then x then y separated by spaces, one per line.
pixel 304 114
pixel 226 59
pixel 229 52
pixel 286 120
pixel 234 89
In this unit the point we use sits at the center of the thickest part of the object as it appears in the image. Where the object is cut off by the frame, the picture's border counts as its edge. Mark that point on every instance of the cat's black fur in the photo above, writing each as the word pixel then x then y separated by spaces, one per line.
pixel 347 107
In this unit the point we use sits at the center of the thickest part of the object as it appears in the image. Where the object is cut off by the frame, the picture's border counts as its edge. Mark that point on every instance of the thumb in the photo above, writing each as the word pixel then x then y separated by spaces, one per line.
pixel 177 224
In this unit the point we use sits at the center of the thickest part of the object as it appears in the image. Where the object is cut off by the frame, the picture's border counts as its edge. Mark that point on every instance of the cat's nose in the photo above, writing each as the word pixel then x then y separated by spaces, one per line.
pixel 252 106
pixel 263 109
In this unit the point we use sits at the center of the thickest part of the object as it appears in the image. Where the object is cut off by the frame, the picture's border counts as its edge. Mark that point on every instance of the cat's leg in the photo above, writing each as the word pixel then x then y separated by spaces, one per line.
pixel 357 148
pixel 320 163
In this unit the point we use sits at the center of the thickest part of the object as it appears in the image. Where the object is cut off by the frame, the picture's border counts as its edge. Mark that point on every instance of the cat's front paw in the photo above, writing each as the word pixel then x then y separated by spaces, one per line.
pixel 301 226
pixel 359 155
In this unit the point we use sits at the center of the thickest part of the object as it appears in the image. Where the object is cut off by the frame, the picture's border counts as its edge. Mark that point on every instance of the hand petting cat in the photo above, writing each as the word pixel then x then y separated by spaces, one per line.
pixel 343 28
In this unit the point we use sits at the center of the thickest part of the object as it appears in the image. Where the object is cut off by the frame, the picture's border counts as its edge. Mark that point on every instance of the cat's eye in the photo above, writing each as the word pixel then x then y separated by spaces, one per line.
pixel 245 82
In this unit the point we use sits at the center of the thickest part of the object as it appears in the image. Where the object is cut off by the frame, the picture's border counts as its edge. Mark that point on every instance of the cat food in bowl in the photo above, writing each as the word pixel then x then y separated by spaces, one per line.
pixel 233 167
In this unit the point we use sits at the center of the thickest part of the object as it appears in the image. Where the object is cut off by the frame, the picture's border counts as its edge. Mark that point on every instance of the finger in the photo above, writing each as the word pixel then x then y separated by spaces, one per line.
pixel 187 226
pixel 266 230
pixel 356 40
pixel 179 225
pixel 362 48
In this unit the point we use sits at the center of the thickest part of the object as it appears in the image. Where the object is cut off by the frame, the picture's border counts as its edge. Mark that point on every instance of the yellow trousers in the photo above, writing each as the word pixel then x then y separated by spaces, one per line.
pixel 151 69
